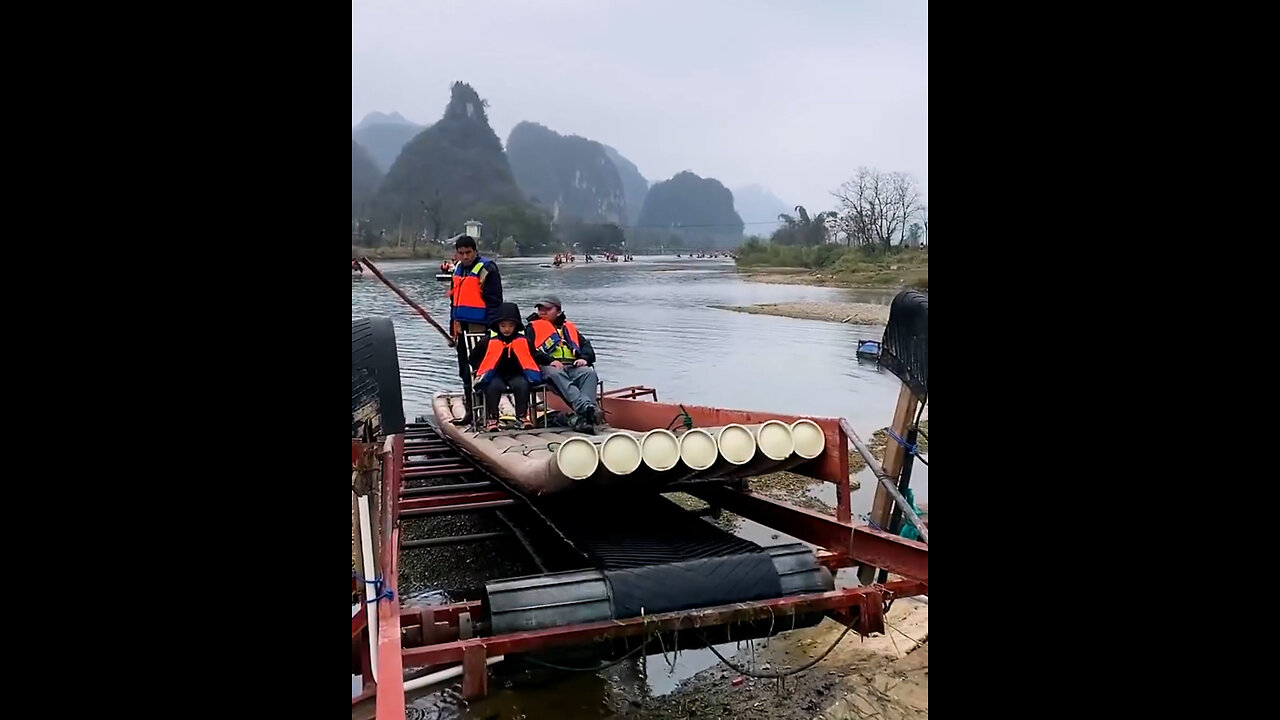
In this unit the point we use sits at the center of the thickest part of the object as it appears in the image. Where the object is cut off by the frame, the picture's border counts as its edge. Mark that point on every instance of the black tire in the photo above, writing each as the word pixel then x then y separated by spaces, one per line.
pixel 377 407
pixel 905 348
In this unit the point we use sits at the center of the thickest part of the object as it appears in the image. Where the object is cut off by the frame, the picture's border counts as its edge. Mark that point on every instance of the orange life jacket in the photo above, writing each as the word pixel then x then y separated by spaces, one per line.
pixel 466 299
pixel 494 352
pixel 554 342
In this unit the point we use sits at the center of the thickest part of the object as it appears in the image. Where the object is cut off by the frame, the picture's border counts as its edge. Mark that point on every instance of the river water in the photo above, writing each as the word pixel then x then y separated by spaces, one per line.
pixel 653 323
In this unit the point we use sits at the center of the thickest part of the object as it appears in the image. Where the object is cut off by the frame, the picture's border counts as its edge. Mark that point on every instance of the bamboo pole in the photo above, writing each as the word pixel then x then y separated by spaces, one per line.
pixel 894 454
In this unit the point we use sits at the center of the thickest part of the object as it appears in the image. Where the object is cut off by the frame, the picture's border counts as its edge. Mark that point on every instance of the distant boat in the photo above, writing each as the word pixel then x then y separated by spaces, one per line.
pixel 868 349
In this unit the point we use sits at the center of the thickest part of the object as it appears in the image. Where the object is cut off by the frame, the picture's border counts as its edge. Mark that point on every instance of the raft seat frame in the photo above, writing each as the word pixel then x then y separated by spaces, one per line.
pixel 537 395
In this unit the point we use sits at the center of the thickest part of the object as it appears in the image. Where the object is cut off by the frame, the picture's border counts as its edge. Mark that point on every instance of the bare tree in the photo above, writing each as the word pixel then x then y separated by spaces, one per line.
pixel 877 208
pixel 906 201
pixel 857 205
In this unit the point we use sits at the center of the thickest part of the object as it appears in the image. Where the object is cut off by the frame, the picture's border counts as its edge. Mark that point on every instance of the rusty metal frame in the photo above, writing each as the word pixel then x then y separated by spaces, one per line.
pixel 540 640
pixel 429 637
pixel 630 392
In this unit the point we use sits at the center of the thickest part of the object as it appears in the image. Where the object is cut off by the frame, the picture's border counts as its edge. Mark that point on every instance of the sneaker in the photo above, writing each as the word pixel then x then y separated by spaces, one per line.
pixel 491 426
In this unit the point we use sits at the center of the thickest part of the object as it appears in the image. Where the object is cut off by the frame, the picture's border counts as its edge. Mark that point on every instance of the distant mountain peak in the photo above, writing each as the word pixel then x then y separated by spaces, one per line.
pixel 380 118
pixel 571 176
pixel 758 205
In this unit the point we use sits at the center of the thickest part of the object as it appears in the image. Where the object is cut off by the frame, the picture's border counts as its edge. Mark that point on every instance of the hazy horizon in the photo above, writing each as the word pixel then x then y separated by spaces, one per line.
pixel 790 97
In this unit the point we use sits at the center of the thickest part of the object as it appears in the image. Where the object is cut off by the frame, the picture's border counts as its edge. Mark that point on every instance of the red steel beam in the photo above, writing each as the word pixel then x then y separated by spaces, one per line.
pixel 437 472
pixel 452 499
pixel 468 507
pixel 632 392
pixel 443 489
pixel 874 548
pixel 445 613
pixel 807 525
pixel 390 665
pixel 536 640
pixel 863 545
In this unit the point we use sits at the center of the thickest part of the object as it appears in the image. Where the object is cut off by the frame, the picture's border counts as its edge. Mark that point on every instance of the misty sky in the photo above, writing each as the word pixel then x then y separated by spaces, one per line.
pixel 792 95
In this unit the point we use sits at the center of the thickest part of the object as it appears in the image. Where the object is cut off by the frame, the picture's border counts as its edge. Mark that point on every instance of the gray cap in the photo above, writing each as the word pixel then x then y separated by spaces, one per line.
pixel 549 300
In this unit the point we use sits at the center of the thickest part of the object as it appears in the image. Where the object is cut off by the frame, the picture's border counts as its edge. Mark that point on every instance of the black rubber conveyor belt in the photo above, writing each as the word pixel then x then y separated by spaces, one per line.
pixel 658 557
pixel 619 531
pixel 649 555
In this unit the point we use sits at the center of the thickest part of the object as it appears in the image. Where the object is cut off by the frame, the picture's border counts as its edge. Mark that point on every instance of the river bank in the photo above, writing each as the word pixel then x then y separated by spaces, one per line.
pixel 422 252
pixel 913 276
pixel 852 313
pixel 885 676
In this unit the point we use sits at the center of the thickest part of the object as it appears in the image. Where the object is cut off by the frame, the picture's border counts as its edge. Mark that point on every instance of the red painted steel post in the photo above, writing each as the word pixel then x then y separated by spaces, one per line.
pixel 428 625
pixel 475 673
pixel 843 496
pixel 390 661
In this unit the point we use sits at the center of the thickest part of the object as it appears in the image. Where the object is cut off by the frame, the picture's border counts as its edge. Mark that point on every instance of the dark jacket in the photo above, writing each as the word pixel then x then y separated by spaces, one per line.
pixel 508 365
pixel 491 291
pixel 585 351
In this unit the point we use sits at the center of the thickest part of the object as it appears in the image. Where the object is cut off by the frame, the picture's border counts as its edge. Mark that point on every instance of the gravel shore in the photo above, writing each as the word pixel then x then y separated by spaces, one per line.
pixel 841 312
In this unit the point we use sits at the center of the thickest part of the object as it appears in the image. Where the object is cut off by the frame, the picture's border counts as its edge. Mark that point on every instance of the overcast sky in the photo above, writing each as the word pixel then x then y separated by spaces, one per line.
pixel 792 95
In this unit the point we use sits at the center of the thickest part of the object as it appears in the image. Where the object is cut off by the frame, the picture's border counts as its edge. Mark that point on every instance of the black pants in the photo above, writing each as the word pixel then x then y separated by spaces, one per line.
pixel 464 370
pixel 493 390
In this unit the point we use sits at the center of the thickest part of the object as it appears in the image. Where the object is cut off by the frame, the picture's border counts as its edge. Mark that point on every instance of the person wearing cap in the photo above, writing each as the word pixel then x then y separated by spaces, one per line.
pixel 571 370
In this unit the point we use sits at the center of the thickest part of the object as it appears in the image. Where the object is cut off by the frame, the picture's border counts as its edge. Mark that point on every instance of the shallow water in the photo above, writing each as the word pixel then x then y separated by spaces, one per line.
pixel 651 324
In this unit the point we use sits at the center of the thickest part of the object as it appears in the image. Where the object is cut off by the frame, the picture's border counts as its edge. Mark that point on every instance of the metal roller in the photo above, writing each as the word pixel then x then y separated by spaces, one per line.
pixel 582 596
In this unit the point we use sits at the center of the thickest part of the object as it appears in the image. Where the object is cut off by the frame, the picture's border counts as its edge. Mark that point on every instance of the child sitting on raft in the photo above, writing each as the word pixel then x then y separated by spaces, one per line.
pixel 504 361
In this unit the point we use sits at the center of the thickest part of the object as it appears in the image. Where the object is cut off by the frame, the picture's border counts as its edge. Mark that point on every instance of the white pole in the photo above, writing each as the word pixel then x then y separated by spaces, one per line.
pixel 442 675
pixel 371 609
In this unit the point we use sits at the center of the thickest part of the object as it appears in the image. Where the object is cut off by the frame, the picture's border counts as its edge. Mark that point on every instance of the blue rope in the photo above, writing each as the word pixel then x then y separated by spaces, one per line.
pixel 378 587
pixel 911 449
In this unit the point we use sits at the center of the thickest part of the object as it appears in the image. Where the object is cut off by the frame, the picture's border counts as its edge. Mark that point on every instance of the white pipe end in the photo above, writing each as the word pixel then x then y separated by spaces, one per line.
pixel 809 439
pixel 577 458
pixel 620 453
pixel 737 445
pixel 775 440
pixel 698 449
pixel 660 449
